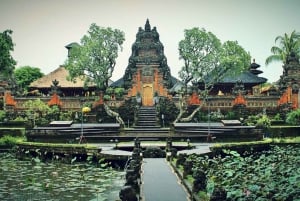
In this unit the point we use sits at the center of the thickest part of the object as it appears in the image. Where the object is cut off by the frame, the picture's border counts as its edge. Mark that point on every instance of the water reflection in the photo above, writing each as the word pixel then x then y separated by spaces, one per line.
pixel 55 181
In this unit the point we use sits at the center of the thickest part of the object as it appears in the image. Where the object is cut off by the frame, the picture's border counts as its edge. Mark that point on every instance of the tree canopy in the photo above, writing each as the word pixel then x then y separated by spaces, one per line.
pixel 207 61
pixel 7 63
pixel 286 45
pixel 200 51
pixel 27 74
pixel 95 58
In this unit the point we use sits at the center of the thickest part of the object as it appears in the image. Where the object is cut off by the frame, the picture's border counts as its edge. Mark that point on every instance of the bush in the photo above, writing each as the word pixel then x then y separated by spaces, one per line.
pixel 2 115
pixel 293 117
pixel 8 140
pixel 263 122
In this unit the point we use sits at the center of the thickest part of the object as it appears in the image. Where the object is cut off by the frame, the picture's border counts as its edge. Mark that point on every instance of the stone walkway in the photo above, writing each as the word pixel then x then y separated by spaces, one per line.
pixel 159 182
pixel 200 148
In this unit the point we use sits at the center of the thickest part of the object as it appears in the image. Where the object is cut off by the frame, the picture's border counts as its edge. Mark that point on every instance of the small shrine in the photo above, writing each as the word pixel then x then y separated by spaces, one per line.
pixel 289 83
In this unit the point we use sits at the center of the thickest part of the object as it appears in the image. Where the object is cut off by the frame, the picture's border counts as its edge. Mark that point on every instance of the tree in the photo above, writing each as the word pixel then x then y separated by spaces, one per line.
pixel 95 58
pixel 27 74
pixel 37 111
pixel 7 63
pixel 207 61
pixel 287 44
pixel 199 48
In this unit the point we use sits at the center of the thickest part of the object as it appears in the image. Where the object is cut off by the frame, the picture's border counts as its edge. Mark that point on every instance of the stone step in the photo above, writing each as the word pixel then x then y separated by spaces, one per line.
pixel 146 120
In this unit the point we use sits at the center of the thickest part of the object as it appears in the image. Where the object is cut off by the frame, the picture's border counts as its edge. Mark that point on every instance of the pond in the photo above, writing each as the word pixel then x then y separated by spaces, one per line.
pixel 54 181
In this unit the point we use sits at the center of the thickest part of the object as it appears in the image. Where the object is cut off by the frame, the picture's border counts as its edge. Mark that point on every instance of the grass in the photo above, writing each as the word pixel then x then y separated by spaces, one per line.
pixel 62 145
pixel 265 141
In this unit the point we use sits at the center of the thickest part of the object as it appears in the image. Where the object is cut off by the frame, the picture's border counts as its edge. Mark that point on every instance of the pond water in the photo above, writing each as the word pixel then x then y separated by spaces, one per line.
pixel 54 181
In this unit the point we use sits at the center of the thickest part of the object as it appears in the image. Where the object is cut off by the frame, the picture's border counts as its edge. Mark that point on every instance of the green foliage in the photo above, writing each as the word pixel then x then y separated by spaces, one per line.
pixel 109 91
pixel 2 115
pixel 270 175
pixel 201 48
pixel 119 92
pixel 198 48
pixel 230 115
pixel 66 116
pixel 287 44
pixel 26 75
pixel 168 109
pixel 8 140
pixel 94 60
pixel 37 110
pixel 234 58
pixel 263 121
pixel 127 110
pixel 53 113
pixel 7 63
pixel 106 97
pixel 260 120
pixel 277 117
pixel 293 118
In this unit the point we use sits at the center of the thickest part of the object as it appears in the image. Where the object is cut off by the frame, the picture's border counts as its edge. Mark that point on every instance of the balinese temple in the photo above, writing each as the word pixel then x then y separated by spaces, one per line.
pixel 147 74
pixel 244 82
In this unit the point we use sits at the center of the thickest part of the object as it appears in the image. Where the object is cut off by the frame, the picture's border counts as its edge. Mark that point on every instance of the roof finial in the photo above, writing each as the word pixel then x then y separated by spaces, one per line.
pixel 147 26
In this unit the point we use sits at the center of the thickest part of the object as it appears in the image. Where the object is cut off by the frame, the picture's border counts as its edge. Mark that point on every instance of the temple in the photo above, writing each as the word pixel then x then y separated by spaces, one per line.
pixel 148 76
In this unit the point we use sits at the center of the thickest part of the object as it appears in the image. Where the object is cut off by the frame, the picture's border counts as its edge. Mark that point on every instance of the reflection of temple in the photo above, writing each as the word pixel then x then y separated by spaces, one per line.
pixel 148 76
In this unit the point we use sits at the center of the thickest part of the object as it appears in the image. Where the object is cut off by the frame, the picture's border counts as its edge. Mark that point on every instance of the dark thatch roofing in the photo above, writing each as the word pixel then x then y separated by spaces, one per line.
pixel 246 77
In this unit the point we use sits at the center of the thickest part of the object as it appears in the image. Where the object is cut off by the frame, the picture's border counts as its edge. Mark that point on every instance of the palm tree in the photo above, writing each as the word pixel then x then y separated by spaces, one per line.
pixel 286 45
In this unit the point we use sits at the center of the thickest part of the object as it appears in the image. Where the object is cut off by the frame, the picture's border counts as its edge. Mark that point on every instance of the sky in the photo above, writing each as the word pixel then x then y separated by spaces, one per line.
pixel 42 28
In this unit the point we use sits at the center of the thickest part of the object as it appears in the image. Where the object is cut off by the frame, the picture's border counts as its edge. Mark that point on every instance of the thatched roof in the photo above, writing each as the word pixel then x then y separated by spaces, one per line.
pixel 60 74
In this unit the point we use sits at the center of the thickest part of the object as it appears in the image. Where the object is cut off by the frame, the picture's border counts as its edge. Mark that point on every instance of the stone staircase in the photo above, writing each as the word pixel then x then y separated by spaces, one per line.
pixel 147 118
pixel 147 124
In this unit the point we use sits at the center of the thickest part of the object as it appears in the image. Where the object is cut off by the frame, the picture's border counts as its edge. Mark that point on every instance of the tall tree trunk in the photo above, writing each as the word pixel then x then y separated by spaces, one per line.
pixel 190 117
pixel 182 109
pixel 114 114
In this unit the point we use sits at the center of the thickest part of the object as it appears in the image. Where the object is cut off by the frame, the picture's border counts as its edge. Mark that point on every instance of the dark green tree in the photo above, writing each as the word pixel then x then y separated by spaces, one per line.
pixel 95 58
pixel 286 44
pixel 7 63
pixel 26 75
pixel 207 60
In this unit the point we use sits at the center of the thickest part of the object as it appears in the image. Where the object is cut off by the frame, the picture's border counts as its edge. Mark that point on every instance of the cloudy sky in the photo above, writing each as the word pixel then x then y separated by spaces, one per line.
pixel 41 28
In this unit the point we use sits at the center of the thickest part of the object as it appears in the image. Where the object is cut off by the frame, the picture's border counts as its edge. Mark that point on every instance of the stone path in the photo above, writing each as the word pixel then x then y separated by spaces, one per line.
pixel 159 183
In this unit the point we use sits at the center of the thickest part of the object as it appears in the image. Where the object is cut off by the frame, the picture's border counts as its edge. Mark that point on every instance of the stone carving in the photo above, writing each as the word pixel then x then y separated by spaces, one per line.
pixel 200 181
pixel 127 193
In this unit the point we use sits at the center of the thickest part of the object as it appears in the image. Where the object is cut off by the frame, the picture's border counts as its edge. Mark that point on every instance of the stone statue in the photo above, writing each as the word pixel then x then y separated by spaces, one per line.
pixel 127 193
